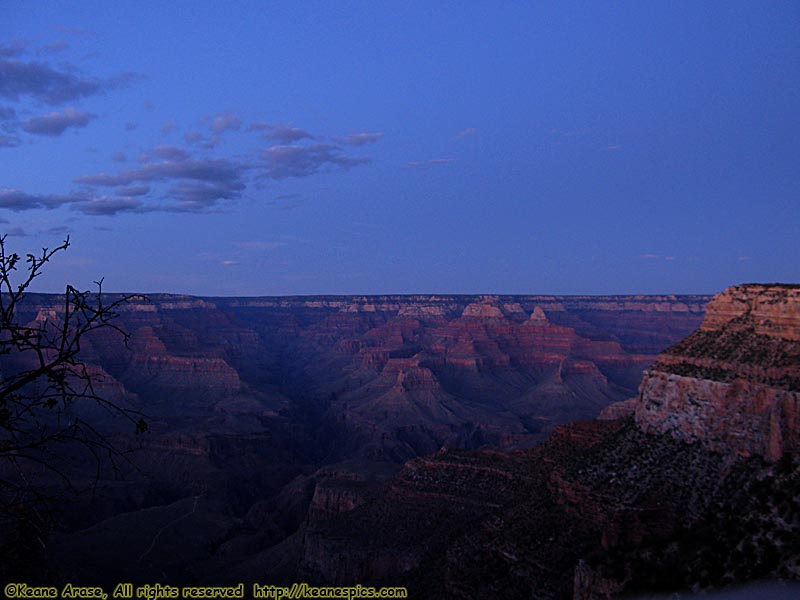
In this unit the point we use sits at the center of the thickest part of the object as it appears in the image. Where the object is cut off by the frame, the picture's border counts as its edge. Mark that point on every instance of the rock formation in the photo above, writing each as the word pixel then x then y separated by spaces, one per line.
pixel 734 385
pixel 254 406
pixel 693 484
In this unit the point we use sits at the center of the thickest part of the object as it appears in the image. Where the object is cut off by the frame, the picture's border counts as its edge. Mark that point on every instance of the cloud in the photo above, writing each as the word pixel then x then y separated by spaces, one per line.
pixel 466 133
pixel 197 185
pixel 109 206
pixel 286 134
pixel 416 164
pixel 56 123
pixel 9 141
pixel 301 161
pixel 134 190
pixel 169 127
pixel 260 245
pixel 7 113
pixel 40 81
pixel 229 263
pixel 212 169
pixel 196 138
pixel 650 256
pixel 86 203
pixel 291 206
pixel 166 152
pixel 12 50
pixel 119 156
pixel 225 122
pixel 54 48
pixel 57 230
pixel 76 31
pixel 17 200
pixel 199 196
pixel 16 232
pixel 281 133
pixel 358 139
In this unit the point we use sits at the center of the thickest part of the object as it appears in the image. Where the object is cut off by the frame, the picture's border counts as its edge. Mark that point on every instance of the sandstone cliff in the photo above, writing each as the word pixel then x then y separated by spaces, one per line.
pixel 734 385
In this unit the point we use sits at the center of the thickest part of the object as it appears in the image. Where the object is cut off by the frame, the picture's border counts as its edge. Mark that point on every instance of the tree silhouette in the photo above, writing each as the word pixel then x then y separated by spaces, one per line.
pixel 44 384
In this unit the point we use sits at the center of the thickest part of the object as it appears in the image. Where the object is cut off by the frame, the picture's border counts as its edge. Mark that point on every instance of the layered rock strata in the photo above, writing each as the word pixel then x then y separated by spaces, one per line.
pixel 733 385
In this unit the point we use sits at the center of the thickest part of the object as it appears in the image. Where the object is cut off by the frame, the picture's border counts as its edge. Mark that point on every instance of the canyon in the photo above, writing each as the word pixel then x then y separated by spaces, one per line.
pixel 692 484
pixel 460 445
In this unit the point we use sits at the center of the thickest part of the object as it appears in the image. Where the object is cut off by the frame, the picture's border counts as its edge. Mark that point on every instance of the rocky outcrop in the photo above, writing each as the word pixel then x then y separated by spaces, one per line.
pixel 483 310
pixel 618 410
pixel 734 385
pixel 771 310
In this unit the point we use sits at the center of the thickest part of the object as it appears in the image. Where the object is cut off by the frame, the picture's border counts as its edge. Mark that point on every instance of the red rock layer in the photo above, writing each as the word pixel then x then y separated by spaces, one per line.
pixel 734 385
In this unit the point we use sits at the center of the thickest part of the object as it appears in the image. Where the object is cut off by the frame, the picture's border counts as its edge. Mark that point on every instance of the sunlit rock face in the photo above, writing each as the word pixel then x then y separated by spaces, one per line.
pixel 734 385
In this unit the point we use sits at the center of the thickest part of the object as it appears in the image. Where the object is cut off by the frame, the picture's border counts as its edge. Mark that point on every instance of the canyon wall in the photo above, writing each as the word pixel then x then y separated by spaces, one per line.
pixel 692 484
pixel 733 385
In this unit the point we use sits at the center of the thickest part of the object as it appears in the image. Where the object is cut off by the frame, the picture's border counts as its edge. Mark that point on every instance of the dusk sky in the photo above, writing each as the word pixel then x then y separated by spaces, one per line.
pixel 261 148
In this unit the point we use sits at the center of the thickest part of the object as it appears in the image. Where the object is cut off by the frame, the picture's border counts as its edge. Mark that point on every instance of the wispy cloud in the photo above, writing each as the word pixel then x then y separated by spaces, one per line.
pixel 57 230
pixel 358 139
pixel 110 206
pixel 225 122
pixel 650 256
pixel 197 196
pixel 9 141
pixel 76 31
pixel 416 164
pixel 134 190
pixel 38 80
pixel 260 245
pixel 212 169
pixel 285 134
pixel 301 161
pixel 54 48
pixel 55 123
pixel 165 152
pixel 198 139
pixel 17 200
pixel 168 127
pixel 196 184
pixel 14 49
pixel 469 131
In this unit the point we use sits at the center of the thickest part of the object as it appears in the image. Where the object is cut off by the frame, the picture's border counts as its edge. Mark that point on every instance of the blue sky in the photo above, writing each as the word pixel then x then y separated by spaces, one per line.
pixel 255 148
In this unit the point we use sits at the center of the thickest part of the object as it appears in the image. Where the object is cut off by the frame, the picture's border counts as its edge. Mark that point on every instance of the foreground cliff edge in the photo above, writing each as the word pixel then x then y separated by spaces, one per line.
pixel 693 485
